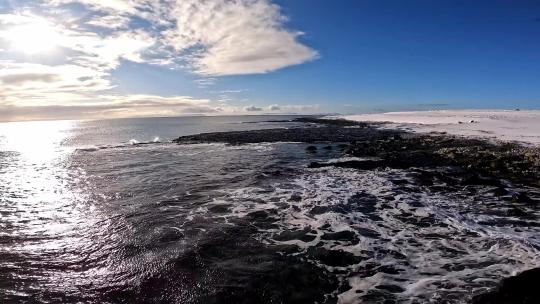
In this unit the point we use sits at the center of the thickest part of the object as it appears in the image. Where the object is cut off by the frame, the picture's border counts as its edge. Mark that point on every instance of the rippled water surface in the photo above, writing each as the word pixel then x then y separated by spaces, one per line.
pixel 112 212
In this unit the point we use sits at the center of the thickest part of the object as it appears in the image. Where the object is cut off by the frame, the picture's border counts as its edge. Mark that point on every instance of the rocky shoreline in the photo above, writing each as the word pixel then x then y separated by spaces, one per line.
pixel 510 171
pixel 398 149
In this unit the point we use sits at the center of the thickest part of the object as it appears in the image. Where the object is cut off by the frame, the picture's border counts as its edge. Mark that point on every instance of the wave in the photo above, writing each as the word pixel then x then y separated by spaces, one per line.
pixel 388 240
pixel 205 147
pixel 130 143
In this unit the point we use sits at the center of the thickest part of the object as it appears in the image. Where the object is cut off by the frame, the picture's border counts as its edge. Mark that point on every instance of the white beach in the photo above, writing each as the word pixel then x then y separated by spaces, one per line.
pixel 503 125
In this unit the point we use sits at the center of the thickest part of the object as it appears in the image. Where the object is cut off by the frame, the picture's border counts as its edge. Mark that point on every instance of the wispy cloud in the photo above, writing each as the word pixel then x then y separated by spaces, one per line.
pixel 110 106
pixel 210 38
pixel 110 21
pixel 235 37
pixel 252 109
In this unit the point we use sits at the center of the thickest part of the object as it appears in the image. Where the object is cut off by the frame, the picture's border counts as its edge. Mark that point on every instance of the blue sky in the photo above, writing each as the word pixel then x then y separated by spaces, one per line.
pixel 91 58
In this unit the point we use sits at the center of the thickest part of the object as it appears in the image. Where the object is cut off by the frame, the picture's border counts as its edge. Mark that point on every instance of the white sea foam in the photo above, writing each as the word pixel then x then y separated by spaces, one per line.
pixel 437 246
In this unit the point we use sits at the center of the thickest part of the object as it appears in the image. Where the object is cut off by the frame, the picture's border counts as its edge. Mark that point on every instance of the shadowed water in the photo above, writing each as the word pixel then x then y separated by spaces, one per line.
pixel 90 214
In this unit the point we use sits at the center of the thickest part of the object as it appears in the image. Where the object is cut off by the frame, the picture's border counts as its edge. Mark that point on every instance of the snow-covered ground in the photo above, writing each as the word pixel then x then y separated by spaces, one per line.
pixel 506 125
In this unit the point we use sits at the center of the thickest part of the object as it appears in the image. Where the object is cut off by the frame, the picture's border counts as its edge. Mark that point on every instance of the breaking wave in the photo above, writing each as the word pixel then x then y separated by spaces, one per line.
pixel 387 238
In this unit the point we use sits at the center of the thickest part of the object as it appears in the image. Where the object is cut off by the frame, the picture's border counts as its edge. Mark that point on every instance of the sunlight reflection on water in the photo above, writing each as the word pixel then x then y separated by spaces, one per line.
pixel 41 203
pixel 36 141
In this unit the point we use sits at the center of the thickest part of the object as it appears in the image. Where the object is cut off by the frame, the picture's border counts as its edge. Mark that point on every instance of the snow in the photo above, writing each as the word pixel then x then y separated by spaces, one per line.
pixel 502 125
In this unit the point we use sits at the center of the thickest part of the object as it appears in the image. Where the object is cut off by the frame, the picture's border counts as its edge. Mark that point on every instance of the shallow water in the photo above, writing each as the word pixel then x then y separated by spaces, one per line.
pixel 89 215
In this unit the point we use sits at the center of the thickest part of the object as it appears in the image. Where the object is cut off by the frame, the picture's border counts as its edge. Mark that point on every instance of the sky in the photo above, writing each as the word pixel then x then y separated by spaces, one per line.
pixel 77 59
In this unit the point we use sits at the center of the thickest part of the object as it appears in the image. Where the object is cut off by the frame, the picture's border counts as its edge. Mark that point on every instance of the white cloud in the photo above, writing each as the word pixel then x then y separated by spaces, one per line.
pixel 110 21
pixel 38 84
pixel 252 109
pixel 118 6
pixel 110 106
pixel 215 37
pixel 294 109
pixel 236 37
pixel 209 37
pixel 86 72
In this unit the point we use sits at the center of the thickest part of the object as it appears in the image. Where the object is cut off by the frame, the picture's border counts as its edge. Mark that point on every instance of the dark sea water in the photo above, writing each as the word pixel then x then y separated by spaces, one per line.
pixel 113 212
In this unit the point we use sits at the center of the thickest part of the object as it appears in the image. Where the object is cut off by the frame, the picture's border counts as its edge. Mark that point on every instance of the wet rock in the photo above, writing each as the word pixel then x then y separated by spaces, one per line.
pixel 379 296
pixel 319 210
pixel 334 122
pixel 302 235
pixel 335 258
pixel 388 269
pixel 170 235
pixel 368 233
pixel 219 209
pixel 516 212
pixel 520 289
pixel 390 288
pixel 258 214
pixel 476 179
pixel 399 181
pixel 398 149
pixel 347 236
pixel 295 197
pixel 522 197
pixel 500 191
pixel 311 149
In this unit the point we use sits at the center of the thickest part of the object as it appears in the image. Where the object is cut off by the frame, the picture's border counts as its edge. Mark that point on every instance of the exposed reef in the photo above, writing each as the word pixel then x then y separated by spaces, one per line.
pixel 483 160
pixel 445 163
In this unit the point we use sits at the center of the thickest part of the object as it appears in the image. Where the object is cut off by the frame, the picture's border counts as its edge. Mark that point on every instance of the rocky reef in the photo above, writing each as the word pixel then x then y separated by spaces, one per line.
pixel 398 149
pixel 520 289
pixel 509 171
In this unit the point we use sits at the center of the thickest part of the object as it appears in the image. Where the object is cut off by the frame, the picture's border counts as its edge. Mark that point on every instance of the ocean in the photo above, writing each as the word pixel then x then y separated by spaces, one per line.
pixel 111 211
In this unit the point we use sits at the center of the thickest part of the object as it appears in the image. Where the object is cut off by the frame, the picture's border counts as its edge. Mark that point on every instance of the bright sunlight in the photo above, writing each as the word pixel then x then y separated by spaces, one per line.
pixel 37 36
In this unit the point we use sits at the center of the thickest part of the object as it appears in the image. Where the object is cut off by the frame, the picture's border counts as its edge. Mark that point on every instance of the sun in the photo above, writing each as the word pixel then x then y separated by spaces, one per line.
pixel 37 36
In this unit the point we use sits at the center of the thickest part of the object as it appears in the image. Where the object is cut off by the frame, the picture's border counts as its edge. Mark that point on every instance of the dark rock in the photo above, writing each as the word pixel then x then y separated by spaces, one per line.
pixel 311 149
pixel 522 198
pixel 486 163
pixel 499 191
pixel 219 208
pixel 520 289
pixel 516 212
pixel 400 181
pixel 368 232
pixel 334 257
pixel 302 235
pixel 258 214
pixel 388 269
pixel 332 122
pixel 319 210
pixel 476 179
pixel 390 288
pixel 327 134
pixel 295 197
pixel 347 236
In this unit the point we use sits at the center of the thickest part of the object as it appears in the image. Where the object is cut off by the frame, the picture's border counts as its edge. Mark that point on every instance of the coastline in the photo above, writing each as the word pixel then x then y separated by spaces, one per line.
pixel 509 171
pixel 398 148
pixel 518 126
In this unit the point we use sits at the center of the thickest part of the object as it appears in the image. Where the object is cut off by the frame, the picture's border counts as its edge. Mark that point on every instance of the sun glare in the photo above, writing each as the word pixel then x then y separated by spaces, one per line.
pixel 35 37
